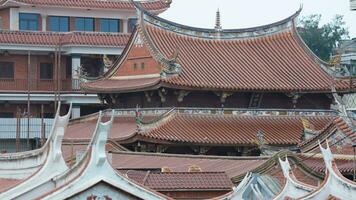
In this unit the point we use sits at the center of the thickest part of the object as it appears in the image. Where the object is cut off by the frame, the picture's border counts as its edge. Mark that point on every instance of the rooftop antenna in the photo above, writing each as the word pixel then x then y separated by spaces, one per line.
pixel 217 21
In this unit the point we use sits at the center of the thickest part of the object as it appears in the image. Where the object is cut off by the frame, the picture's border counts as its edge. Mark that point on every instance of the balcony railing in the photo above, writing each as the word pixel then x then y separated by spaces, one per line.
pixel 38 85
pixel 10 127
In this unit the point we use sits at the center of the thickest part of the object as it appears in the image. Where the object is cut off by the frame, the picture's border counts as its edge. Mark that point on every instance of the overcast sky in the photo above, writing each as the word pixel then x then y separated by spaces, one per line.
pixel 248 13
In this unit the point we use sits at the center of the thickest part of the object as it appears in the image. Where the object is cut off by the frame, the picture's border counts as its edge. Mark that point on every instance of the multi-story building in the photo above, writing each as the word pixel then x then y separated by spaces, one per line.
pixel 89 34
pixel 44 47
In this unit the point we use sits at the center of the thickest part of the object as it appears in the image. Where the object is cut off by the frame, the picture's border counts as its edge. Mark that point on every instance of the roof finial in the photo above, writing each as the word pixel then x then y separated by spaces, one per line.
pixel 217 20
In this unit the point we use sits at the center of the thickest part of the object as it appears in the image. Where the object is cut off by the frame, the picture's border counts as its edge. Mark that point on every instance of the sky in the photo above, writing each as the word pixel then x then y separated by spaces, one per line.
pixel 249 13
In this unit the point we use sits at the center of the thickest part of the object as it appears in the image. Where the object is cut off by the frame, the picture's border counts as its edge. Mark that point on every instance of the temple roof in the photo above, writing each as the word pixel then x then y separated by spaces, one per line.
pixel 178 126
pixel 226 129
pixel 266 58
pixel 152 5
pixel 232 166
pixel 66 39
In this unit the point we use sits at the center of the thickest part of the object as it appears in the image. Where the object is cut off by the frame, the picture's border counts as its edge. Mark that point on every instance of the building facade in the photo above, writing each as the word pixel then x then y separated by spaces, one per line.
pixel 44 43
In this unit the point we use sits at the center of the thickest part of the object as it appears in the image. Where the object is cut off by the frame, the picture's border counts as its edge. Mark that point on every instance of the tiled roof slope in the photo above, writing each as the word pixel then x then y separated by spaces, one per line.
pixel 100 4
pixel 232 166
pixel 274 62
pixel 228 129
pixel 168 181
pixel 268 58
pixel 70 38
pixel 188 180
pixel 345 165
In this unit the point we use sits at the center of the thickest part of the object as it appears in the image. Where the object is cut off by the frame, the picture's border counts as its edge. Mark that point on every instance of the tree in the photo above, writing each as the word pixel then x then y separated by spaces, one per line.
pixel 322 39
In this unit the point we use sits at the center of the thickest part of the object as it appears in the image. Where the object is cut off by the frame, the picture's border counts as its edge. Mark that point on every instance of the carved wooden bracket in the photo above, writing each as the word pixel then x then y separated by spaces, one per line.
pixel 223 95
pixel 181 94
pixel 204 150
pixel 162 94
pixel 148 96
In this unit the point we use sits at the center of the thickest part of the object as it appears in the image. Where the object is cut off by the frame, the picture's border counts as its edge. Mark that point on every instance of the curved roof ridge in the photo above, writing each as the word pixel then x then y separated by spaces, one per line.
pixel 158 121
pixel 285 24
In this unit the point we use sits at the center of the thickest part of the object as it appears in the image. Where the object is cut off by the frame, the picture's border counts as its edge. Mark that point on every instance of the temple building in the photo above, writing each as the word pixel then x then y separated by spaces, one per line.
pixel 197 113
pixel 171 65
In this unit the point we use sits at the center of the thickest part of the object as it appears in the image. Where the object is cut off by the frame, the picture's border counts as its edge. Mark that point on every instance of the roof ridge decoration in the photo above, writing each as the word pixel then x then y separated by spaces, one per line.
pixel 292 188
pixel 282 25
pixel 255 185
pixel 334 183
pixel 170 65
pixel 23 164
pixel 218 26
pixel 53 165
pixel 94 168
pixel 157 121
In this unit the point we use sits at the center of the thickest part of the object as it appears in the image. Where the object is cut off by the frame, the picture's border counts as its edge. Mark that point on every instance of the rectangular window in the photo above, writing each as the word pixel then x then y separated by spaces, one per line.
pixel 28 21
pixel 6 115
pixel 59 24
pixel 84 24
pixel 109 25
pixel 131 24
pixel 6 70
pixel 46 71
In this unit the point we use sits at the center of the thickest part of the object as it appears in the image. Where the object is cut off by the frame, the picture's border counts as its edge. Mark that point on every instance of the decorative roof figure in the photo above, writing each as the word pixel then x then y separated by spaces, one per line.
pixel 217 21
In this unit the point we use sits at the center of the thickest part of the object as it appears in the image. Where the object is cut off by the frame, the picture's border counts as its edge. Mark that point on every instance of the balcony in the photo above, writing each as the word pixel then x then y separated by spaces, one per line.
pixel 353 4
pixel 38 85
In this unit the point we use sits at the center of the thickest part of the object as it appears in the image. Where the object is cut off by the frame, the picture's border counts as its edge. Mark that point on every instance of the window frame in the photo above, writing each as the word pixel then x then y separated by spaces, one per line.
pixel 109 21
pixel 84 24
pixel 12 65
pixel 28 21
pixel 48 64
pixel 59 18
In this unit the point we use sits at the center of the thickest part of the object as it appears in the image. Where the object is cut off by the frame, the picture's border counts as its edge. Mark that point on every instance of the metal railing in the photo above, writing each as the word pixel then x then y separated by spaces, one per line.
pixel 39 85
pixel 10 128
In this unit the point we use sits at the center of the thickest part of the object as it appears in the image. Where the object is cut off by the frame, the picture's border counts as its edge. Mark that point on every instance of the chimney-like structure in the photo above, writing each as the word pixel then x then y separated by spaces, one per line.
pixel 217 21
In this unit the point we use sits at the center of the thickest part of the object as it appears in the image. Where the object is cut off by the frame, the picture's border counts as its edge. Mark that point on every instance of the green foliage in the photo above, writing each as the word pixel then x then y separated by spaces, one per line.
pixel 322 39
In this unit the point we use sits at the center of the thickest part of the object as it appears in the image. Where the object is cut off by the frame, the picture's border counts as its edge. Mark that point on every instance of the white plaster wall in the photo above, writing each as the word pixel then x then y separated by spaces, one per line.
pixel 14 18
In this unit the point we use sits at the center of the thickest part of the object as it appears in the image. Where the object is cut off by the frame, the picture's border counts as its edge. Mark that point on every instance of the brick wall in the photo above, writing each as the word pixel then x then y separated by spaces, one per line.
pixel 5 18
pixel 138 55
pixel 21 69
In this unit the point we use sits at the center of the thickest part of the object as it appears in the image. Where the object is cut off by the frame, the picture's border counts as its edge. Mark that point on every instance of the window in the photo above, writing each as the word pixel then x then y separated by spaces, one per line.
pixel 59 24
pixel 142 66
pixel 134 66
pixel 48 115
pixel 109 25
pixel 46 71
pixel 6 115
pixel 29 21
pixel 131 24
pixel 84 24
pixel 6 70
